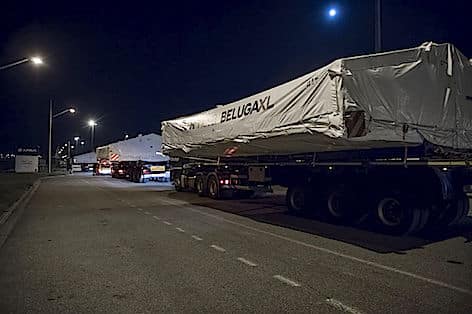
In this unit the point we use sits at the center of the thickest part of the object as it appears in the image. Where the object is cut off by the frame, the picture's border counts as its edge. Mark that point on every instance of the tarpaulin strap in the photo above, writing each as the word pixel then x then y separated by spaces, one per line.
pixel 405 154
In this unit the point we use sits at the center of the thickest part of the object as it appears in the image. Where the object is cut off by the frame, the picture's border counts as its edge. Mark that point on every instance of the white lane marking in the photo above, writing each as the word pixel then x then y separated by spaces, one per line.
pixel 218 248
pixel 167 223
pixel 197 238
pixel 132 205
pixel 247 262
pixel 180 229
pixel 155 217
pixel 342 307
pixel 140 209
pixel 147 213
pixel 287 281
pixel 328 251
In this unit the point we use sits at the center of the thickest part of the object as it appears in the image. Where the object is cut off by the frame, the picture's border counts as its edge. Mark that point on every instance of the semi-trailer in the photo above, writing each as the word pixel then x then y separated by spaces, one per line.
pixel 137 159
pixel 385 138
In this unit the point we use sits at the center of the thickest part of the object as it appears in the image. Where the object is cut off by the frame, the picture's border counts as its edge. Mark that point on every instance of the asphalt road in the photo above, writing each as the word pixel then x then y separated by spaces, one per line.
pixel 97 244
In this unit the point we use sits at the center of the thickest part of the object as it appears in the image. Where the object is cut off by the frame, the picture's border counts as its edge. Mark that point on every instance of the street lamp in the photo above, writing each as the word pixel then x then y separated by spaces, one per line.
pixel 52 116
pixel 35 60
pixel 76 139
pixel 92 124
pixel 332 12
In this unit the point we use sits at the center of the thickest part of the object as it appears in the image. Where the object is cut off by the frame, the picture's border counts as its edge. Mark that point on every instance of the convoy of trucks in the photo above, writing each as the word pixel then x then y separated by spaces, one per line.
pixel 383 139
pixel 137 159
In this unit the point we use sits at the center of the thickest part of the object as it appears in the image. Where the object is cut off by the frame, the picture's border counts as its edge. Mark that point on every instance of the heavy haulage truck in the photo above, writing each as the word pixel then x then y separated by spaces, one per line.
pixel 384 138
pixel 137 159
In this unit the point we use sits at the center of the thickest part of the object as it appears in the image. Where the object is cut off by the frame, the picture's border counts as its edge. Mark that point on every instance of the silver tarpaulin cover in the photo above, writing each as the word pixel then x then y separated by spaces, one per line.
pixel 143 147
pixel 388 99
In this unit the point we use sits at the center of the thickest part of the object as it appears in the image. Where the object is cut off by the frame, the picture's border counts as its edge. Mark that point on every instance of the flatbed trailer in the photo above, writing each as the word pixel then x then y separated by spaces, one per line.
pixel 383 139
pixel 398 196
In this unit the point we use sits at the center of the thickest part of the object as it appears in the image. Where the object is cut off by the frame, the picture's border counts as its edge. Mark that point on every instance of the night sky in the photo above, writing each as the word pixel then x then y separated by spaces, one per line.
pixel 134 64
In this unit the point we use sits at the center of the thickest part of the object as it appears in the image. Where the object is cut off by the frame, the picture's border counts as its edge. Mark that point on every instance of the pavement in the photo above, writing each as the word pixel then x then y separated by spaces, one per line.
pixel 13 185
pixel 96 244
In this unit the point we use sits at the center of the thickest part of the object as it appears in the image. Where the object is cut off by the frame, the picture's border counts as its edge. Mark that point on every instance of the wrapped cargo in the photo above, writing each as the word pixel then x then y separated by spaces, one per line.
pixel 392 99
pixel 143 147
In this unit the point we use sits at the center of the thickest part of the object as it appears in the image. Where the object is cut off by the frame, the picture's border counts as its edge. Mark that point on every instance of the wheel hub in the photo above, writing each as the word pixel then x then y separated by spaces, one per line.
pixel 298 200
pixel 390 212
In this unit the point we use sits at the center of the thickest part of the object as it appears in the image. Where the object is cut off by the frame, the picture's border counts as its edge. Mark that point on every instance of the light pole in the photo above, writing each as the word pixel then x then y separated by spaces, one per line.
pixel 92 124
pixel 52 116
pixel 76 139
pixel 34 60
pixel 332 14
pixel 378 25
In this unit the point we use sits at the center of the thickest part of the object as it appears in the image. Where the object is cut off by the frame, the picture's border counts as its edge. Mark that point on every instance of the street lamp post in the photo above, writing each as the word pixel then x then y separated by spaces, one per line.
pixel 76 139
pixel 34 60
pixel 52 116
pixel 92 124
pixel 332 13
pixel 378 25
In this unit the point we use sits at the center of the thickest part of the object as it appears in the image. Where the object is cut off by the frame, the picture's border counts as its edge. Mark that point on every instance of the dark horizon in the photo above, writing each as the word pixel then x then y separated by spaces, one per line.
pixel 132 67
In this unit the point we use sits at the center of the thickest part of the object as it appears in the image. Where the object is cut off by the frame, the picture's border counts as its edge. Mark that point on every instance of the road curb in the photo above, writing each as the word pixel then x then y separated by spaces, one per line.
pixel 9 218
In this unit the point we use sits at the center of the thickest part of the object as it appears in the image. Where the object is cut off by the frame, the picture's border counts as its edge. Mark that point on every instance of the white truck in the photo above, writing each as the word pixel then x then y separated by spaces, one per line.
pixel 385 138
pixel 138 159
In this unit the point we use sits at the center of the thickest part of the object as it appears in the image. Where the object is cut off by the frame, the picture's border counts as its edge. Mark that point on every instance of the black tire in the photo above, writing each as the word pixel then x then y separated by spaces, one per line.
pixel 461 209
pixel 423 221
pixel 200 186
pixel 298 199
pixel 213 188
pixel 177 185
pixel 397 215
pixel 140 178
pixel 342 206
pixel 133 176
pixel 452 213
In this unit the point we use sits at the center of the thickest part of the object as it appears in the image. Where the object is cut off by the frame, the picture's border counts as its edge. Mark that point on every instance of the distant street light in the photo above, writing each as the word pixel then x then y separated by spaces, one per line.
pixel 52 116
pixel 82 142
pixel 92 124
pixel 332 12
pixel 76 139
pixel 35 60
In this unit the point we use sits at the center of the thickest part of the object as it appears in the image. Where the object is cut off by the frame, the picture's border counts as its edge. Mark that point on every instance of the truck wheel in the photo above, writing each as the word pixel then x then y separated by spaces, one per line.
pixel 177 185
pixel 454 212
pixel 297 199
pixel 341 205
pixel 134 177
pixel 396 216
pixel 199 186
pixel 213 188
pixel 141 179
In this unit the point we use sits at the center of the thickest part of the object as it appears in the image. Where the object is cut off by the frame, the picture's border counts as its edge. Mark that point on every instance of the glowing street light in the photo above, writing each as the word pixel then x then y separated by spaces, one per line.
pixel 35 60
pixel 92 124
pixel 332 12
pixel 52 116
